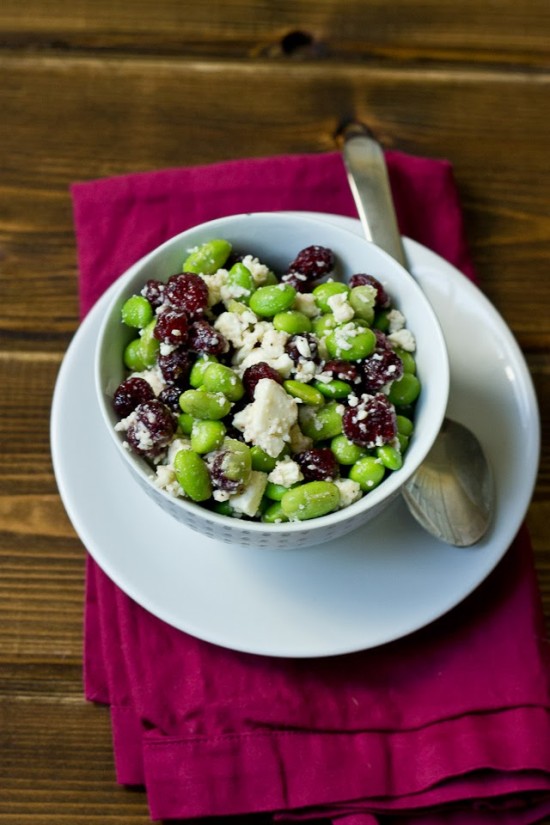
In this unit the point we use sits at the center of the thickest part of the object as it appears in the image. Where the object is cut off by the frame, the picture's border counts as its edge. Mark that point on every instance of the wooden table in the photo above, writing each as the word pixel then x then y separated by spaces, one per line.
pixel 91 89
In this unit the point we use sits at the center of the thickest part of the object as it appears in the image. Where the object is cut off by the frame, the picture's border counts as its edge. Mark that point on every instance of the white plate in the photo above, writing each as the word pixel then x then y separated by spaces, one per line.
pixel 376 585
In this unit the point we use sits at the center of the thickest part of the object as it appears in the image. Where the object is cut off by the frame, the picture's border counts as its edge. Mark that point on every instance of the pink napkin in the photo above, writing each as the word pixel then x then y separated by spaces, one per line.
pixel 449 726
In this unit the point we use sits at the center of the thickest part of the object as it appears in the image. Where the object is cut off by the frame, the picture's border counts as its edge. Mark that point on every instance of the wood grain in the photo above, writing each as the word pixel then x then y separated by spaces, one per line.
pixel 91 88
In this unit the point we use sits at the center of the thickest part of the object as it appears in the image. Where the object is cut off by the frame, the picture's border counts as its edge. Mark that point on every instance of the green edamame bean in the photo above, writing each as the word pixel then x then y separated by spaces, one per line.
pixel 196 376
pixel 390 457
pixel 275 492
pixel 137 312
pixel 237 462
pixel 149 345
pixel 405 390
pixel 310 500
pixel 368 472
pixel 324 325
pixel 273 514
pixel 351 342
pixel 133 357
pixel 345 451
pixel 240 278
pixel 208 258
pixel 381 321
pixel 223 508
pixel 192 475
pixel 403 442
pixel 362 299
pixel 409 363
pixel 325 291
pixel 261 461
pixel 268 301
pixel 207 435
pixel 305 392
pixel 404 425
pixel 219 378
pixel 205 405
pixel 320 423
pixel 333 389
pixel 185 423
pixel 292 321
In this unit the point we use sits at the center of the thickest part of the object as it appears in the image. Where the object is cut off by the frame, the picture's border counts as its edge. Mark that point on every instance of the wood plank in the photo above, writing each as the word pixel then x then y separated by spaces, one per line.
pixel 114 123
pixel 403 31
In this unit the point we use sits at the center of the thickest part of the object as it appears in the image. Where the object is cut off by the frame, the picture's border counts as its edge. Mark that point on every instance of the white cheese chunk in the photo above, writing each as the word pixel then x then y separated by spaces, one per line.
pixel 404 339
pixel 248 501
pixel 266 422
pixel 287 472
pixel 305 303
pixel 341 308
pixel 350 491
pixel 396 320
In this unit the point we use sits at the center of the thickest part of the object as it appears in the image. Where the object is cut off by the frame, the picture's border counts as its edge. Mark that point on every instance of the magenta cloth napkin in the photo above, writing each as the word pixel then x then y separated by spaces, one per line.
pixel 449 726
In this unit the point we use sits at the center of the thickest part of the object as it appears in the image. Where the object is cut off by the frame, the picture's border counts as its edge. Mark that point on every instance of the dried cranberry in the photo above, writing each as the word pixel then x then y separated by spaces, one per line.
pixel 152 430
pixel 298 281
pixel 175 366
pixel 172 327
pixel 380 368
pixel 217 475
pixel 381 340
pixel 130 394
pixel 318 464
pixel 361 279
pixel 314 262
pixel 342 370
pixel 154 292
pixel 371 423
pixel 303 346
pixel 255 373
pixel 187 291
pixel 204 338
pixel 170 396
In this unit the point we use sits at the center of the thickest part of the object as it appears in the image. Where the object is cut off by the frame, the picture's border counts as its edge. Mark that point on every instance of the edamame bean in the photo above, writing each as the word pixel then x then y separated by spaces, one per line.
pixel 362 300
pixel 205 405
pixel 403 442
pixel 368 472
pixel 324 325
pixel 407 358
pixel 267 301
pixel 345 451
pixel 320 423
pixel 133 357
pixel 208 258
pixel 333 389
pixel 273 514
pixel 305 392
pixel 275 492
pixel 185 423
pixel 390 457
pixel 381 321
pixel 192 475
pixel 292 321
pixel 405 390
pixel 261 461
pixel 351 342
pixel 149 345
pixel 207 435
pixel 325 291
pixel 404 425
pixel 196 376
pixel 310 500
pixel 223 508
pixel 237 461
pixel 240 278
pixel 219 378
pixel 137 312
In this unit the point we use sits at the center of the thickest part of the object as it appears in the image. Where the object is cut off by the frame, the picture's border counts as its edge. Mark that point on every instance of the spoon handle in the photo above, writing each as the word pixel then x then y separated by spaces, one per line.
pixel 369 183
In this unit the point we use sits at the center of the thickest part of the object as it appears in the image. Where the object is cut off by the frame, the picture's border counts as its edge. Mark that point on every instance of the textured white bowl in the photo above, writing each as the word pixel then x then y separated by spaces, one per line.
pixel 275 239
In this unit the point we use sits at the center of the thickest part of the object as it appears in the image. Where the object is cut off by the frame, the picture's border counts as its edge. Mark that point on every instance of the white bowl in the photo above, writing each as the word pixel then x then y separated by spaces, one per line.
pixel 276 239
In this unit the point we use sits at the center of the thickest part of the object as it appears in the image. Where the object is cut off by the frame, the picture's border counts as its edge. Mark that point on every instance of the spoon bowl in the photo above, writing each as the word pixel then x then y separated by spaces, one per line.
pixel 451 495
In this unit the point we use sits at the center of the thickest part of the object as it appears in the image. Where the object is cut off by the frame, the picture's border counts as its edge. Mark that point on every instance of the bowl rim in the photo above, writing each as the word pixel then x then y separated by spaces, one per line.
pixel 386 491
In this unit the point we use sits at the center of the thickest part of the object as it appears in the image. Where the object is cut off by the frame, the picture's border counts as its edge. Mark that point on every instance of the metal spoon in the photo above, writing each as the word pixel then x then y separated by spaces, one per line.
pixel 451 494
